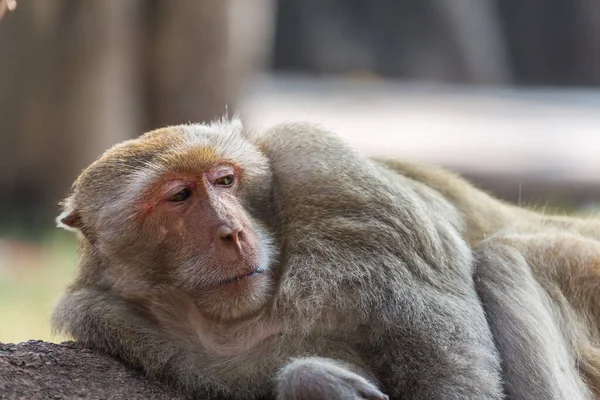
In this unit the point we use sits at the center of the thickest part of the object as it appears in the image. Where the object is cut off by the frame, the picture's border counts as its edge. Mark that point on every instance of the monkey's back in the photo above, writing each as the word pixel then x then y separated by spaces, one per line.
pixel 562 253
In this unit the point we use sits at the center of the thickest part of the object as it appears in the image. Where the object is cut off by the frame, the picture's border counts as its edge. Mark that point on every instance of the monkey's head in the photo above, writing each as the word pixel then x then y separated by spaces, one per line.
pixel 171 208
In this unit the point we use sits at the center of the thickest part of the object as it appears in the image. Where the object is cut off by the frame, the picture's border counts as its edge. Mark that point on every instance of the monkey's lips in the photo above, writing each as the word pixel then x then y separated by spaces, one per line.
pixel 243 276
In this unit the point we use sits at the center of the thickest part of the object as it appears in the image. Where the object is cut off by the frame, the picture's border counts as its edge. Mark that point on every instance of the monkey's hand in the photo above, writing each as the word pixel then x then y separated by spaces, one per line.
pixel 319 378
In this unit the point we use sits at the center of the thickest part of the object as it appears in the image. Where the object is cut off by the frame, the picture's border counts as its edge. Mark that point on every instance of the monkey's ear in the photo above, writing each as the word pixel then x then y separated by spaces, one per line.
pixel 69 219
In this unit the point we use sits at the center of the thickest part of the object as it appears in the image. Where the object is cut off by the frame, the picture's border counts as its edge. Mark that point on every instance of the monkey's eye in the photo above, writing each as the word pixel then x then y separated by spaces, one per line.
pixel 180 196
pixel 226 180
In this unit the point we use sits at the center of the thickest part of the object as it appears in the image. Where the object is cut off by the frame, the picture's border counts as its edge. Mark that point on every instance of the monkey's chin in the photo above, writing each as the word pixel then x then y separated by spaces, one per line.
pixel 237 298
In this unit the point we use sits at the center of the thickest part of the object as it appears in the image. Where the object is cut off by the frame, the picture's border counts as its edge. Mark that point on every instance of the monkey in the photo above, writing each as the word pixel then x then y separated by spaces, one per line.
pixel 289 265
pixel 248 267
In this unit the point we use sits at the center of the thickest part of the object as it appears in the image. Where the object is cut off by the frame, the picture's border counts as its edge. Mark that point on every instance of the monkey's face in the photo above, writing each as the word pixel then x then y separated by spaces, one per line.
pixel 169 208
pixel 209 246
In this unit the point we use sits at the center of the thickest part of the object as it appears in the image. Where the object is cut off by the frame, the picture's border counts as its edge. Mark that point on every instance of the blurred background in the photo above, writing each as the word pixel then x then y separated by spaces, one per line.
pixel 502 91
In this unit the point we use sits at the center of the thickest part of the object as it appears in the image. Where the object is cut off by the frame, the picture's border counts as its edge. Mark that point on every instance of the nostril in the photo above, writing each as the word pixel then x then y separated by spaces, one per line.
pixel 225 232
pixel 229 235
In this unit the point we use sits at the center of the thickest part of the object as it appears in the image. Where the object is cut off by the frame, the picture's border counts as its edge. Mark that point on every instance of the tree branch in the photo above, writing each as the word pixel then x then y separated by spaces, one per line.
pixel 40 370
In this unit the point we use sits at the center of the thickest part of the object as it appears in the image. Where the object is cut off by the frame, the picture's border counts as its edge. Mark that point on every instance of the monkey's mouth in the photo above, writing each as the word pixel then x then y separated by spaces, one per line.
pixel 240 277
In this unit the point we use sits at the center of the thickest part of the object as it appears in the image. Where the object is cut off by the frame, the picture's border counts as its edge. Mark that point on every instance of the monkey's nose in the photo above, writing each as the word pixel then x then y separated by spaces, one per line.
pixel 230 235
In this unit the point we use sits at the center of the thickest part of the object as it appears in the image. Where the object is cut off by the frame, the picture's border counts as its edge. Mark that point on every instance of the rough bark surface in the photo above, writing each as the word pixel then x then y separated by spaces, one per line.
pixel 39 370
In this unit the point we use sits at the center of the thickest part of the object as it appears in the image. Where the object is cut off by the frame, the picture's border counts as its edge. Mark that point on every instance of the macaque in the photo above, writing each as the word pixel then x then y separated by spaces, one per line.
pixel 289 265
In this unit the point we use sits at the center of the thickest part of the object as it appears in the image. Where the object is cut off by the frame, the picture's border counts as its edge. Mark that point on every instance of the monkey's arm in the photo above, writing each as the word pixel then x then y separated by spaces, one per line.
pixel 534 326
pixel 111 324
pixel 103 321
